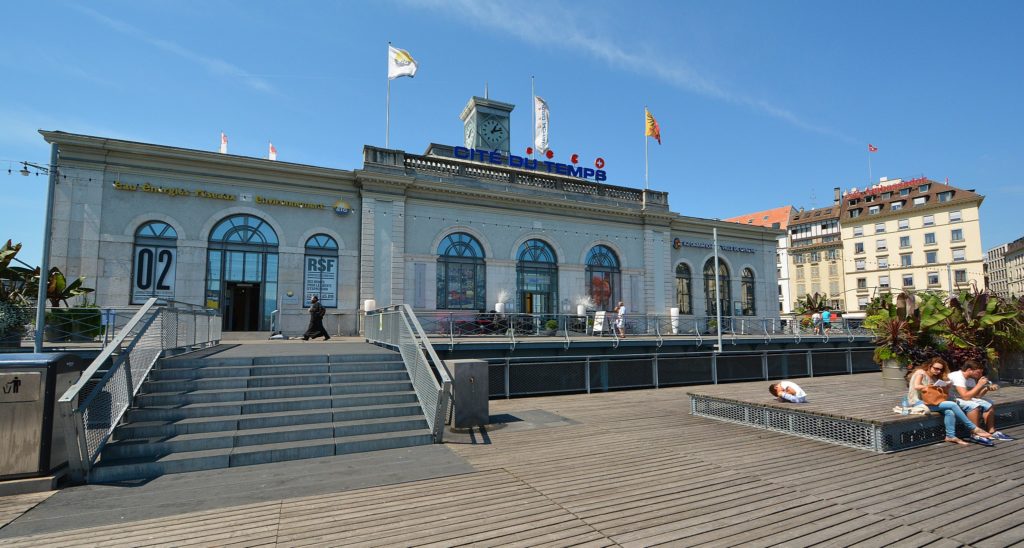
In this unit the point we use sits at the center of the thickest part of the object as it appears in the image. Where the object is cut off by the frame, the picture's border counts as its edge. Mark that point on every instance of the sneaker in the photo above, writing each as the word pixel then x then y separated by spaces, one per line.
pixel 1002 437
pixel 983 441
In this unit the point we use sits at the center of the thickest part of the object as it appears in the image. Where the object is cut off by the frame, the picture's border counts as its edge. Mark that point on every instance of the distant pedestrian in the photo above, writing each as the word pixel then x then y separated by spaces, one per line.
pixel 316 321
pixel 620 319
pixel 826 322
pixel 816 320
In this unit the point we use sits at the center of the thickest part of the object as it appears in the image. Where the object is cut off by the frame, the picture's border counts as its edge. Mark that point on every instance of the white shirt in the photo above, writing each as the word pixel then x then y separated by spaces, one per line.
pixel 959 380
pixel 784 385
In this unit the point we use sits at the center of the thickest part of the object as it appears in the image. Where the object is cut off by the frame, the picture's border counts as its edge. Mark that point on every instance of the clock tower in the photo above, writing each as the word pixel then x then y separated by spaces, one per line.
pixel 487 124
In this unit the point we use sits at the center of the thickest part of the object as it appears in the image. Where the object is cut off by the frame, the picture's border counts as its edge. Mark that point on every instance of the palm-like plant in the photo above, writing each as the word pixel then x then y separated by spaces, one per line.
pixel 982 321
pixel 809 304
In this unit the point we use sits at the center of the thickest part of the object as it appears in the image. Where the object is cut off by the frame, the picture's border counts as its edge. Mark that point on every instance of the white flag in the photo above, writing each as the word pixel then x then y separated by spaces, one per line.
pixel 400 63
pixel 223 143
pixel 540 108
pixel 272 152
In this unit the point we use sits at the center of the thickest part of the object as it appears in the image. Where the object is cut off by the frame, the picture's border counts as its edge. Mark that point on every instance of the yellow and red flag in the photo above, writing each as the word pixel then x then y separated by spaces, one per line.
pixel 652 129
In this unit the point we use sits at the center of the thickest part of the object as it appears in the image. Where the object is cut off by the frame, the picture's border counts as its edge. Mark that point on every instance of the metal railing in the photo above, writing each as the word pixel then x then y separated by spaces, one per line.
pixel 397 327
pixel 516 326
pixel 77 327
pixel 539 375
pixel 93 406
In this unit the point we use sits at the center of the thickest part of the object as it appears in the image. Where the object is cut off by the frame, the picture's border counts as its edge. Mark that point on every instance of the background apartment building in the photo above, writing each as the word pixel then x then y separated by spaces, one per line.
pixel 1015 268
pixel 816 254
pixel 776 218
pixel 995 271
pixel 917 234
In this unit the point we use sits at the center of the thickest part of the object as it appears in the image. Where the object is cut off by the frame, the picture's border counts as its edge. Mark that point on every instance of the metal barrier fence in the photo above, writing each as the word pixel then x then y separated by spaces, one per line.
pixel 515 326
pixel 78 327
pixel 598 373
pixel 93 407
pixel 397 327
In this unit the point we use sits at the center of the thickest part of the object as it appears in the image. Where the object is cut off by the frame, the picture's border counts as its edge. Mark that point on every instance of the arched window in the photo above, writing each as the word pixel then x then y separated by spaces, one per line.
pixel 684 292
pixel 723 284
pixel 461 281
pixel 536 278
pixel 747 292
pixel 321 271
pixel 154 261
pixel 603 277
pixel 241 272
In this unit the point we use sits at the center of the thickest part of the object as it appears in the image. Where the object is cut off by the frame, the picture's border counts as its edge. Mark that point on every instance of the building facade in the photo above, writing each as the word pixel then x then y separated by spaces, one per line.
pixel 915 235
pixel 995 271
pixel 816 255
pixel 777 219
pixel 447 230
pixel 1014 260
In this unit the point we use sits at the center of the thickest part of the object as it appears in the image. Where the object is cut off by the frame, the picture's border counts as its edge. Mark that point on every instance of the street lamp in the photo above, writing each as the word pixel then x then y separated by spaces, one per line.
pixel 44 265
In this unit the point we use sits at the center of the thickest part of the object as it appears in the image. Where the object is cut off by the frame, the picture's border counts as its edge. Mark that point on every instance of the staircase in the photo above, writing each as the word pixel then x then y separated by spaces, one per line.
pixel 206 413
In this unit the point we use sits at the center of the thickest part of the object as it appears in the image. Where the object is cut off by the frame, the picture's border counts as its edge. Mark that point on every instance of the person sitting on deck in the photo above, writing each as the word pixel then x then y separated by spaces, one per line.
pixel 788 391
pixel 970 384
pixel 935 372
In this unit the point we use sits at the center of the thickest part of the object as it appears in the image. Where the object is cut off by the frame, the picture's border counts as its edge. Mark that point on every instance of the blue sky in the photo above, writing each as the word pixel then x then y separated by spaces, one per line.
pixel 761 104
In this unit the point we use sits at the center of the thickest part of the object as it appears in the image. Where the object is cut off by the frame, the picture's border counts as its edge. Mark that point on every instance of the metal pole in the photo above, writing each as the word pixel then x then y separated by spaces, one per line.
pixel 949 278
pixel 44 264
pixel 533 116
pixel 387 116
pixel 718 293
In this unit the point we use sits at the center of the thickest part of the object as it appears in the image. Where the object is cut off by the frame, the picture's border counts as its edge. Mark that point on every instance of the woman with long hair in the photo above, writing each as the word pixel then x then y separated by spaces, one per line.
pixel 935 372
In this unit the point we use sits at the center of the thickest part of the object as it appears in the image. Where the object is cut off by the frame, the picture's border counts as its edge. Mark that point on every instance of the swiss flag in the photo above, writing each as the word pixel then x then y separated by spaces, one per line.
pixel 872 148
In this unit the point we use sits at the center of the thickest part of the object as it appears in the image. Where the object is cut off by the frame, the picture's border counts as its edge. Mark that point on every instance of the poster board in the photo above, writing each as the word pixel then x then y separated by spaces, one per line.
pixel 599 321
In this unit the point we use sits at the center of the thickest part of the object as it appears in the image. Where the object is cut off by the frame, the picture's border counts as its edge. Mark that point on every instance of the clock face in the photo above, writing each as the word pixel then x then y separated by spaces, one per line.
pixel 493 132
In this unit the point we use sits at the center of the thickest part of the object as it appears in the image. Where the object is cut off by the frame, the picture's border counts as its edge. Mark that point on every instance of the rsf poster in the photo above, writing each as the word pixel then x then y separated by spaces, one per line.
pixel 322 281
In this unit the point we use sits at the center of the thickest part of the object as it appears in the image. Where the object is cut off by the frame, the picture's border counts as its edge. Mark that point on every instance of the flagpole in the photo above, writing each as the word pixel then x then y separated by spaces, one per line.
pixel 870 178
pixel 387 116
pixel 645 147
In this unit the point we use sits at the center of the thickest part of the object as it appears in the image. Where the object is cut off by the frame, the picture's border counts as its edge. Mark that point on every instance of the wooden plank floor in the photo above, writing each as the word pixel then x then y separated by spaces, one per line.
pixel 634 469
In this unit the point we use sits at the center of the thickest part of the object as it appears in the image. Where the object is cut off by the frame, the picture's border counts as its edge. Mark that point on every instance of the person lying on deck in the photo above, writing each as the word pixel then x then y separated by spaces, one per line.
pixel 788 391
pixel 935 372
pixel 970 384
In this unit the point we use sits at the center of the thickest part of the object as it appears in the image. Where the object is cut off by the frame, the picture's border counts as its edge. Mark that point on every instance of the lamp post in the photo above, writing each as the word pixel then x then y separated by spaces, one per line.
pixel 44 265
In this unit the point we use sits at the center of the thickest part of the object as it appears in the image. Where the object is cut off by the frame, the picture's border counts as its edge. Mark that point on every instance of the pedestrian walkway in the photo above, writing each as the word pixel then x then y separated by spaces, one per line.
pixel 630 468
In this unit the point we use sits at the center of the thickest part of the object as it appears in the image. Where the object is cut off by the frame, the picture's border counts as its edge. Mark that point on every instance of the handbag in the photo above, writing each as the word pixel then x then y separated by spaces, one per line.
pixel 933 395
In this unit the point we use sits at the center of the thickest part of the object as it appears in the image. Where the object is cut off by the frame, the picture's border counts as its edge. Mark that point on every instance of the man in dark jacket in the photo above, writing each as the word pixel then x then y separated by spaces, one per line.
pixel 316 320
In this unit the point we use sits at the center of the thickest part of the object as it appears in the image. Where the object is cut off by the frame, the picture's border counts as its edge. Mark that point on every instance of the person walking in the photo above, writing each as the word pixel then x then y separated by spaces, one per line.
pixel 316 320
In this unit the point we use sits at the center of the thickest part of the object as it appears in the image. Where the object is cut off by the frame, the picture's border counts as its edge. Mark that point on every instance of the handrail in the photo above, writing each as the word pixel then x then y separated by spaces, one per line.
pixel 154 330
pixel 397 326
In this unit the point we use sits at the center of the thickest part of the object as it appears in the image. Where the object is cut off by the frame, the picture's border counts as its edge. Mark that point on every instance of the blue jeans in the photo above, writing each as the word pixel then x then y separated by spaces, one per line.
pixel 952 413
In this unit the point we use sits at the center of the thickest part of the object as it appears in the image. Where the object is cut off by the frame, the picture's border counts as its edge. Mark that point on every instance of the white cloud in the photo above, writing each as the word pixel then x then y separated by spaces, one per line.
pixel 218 67
pixel 553 27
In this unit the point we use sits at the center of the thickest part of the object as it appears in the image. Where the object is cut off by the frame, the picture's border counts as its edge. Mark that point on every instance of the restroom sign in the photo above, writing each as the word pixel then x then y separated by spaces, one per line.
pixel 321 280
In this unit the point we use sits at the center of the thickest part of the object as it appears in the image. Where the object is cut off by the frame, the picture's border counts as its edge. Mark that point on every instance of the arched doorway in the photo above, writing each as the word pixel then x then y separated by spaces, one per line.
pixel 537 278
pixel 241 272
pixel 461 281
pixel 723 284
pixel 603 277
pixel 154 262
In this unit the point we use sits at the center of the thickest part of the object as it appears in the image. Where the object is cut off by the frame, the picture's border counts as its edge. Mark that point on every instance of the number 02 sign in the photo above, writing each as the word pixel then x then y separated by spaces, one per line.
pixel 153 273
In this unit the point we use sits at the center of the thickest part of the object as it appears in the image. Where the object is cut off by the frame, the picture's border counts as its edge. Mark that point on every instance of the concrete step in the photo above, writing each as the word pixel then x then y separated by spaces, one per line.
pixel 251 394
pixel 155 429
pixel 214 361
pixel 267 381
pixel 155 447
pixel 218 371
pixel 175 412
pixel 114 470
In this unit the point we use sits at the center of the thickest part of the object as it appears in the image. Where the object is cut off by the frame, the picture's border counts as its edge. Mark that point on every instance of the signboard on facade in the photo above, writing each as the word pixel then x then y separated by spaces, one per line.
pixel 321 280
pixel 153 273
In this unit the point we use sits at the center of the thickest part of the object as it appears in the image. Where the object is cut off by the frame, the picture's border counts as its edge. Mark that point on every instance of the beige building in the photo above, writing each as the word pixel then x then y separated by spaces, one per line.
pixel 916 235
pixel 1015 268
pixel 816 254
pixel 776 218
pixel 995 271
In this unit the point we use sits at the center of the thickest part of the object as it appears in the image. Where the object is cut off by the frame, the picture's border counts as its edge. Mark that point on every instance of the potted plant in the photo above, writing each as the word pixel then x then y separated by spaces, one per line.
pixel 550 327
pixel 984 326
pixel 907 331
pixel 76 324
pixel 14 301
pixel 503 297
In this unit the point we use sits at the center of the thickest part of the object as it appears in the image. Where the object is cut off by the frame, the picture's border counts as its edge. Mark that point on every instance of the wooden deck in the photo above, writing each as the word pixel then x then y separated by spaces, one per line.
pixel 634 468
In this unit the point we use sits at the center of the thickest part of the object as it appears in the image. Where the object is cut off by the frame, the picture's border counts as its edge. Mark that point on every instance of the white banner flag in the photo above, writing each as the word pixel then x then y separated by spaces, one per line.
pixel 272 152
pixel 540 108
pixel 400 63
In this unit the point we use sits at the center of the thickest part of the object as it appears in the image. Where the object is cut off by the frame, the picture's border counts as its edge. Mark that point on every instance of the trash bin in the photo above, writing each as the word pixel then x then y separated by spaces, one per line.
pixel 470 389
pixel 30 385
